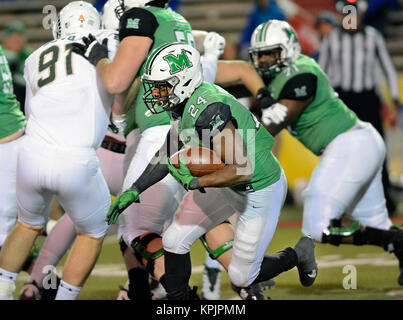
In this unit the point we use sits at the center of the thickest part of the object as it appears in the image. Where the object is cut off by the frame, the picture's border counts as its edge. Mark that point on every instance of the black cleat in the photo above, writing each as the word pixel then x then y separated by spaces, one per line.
pixel 30 291
pixel 307 267
pixel 397 249
pixel 253 292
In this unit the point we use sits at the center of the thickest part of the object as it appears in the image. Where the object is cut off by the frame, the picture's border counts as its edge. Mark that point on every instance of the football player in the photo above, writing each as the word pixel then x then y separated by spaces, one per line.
pixel 252 183
pixel 145 25
pixel 63 92
pixel 11 130
pixel 344 201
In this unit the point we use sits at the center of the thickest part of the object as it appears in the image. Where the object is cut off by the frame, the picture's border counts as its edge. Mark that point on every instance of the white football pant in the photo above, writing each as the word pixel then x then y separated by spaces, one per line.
pixel 72 174
pixel 347 180
pixel 258 214
pixel 8 200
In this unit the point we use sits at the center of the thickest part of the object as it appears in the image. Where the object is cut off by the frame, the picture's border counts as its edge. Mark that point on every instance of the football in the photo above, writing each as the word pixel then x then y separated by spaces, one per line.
pixel 200 161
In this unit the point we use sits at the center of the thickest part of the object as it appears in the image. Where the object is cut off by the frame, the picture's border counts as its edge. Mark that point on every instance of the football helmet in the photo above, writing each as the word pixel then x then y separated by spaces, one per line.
pixel 76 17
pixel 114 9
pixel 271 36
pixel 172 73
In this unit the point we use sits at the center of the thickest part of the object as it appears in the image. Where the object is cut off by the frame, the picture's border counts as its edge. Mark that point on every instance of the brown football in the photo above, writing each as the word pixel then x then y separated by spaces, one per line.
pixel 200 161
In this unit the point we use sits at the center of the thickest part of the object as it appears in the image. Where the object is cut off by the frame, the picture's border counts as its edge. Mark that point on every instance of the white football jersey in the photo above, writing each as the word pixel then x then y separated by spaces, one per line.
pixel 67 104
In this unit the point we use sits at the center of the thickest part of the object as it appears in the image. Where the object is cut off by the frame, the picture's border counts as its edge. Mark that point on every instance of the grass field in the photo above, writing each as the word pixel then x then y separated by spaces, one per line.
pixel 377 270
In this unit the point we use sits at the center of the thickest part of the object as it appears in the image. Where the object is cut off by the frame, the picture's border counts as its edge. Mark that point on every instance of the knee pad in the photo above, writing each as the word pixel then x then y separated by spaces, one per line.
pixel 147 248
pixel 335 232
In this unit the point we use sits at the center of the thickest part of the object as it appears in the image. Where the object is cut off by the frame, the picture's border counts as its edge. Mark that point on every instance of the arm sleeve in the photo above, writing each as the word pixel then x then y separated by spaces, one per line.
pixel 137 22
pixel 387 66
pixel 212 120
pixel 157 169
pixel 300 88
pixel 209 70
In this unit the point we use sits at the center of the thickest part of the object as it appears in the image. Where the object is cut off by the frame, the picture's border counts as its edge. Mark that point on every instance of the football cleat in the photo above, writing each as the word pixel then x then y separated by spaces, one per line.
pixel 307 267
pixel 123 294
pixel 157 290
pixel 30 291
pixel 253 292
pixel 211 284
pixel 397 249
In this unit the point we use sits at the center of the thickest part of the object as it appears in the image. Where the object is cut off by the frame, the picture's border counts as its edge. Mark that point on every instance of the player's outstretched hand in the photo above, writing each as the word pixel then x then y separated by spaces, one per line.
pixel 92 50
pixel 184 176
pixel 120 204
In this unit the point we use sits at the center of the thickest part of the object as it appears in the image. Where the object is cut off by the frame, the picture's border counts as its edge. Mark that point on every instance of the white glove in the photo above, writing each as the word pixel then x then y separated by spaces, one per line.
pixel 274 114
pixel 117 123
pixel 214 45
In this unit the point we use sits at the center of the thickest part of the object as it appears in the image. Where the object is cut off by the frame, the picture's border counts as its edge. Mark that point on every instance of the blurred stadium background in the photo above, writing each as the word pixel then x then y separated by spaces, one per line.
pixel 377 271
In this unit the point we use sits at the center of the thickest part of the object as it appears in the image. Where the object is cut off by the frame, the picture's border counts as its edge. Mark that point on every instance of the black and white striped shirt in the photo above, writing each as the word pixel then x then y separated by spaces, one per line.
pixel 351 60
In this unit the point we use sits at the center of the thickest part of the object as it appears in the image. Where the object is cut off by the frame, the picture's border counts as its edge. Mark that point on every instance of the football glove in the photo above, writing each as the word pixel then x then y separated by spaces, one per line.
pixel 214 45
pixel 92 50
pixel 184 176
pixel 274 114
pixel 272 111
pixel 120 204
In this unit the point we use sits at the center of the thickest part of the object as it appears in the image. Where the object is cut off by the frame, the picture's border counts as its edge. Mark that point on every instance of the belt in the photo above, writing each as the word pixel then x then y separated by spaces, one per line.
pixel 244 188
pixel 113 145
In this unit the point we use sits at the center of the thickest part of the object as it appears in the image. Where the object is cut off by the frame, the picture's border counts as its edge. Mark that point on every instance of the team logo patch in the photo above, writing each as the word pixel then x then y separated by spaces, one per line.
pixel 300 92
pixel 132 23
pixel 216 122
pixel 179 62
pixel 81 18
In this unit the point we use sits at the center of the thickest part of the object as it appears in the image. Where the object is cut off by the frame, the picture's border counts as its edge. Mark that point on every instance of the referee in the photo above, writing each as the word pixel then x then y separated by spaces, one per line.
pixel 351 59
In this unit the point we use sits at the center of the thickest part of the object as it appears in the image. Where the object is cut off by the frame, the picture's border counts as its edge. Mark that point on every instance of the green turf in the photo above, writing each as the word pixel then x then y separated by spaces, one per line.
pixel 377 271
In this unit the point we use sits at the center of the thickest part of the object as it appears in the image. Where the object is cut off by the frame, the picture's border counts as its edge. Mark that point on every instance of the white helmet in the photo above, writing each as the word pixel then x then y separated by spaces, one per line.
pixel 175 66
pixel 76 17
pixel 272 35
pixel 114 9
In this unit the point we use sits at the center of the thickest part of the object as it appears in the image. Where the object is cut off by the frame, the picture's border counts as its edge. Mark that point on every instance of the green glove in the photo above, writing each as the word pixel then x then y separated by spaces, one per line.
pixel 120 204
pixel 183 174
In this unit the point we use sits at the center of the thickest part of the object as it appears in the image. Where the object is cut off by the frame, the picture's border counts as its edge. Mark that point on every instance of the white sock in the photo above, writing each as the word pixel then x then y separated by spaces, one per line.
pixel 211 263
pixel 7 286
pixel 67 291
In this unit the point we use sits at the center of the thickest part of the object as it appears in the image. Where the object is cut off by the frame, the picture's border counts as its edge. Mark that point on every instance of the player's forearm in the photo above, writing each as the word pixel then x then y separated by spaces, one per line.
pixel 228 176
pixel 156 170
pixel 114 81
pixel 237 72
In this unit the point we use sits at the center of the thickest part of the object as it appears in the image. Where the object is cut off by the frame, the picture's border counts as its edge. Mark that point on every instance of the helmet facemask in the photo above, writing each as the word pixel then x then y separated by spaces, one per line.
pixel 159 96
pixel 268 68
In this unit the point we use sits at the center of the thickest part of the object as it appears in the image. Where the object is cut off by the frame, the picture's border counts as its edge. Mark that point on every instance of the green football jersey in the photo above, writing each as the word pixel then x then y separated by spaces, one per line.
pixel 11 117
pixel 206 113
pixel 171 27
pixel 325 117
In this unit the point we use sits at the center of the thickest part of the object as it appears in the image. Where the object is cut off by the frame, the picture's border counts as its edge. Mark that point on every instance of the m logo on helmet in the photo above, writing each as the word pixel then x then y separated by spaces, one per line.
pixel 290 34
pixel 178 63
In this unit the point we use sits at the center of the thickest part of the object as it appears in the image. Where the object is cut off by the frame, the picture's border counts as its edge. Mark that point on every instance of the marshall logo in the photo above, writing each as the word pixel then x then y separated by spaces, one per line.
pixel 178 63
pixel 300 92
pixel 133 23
